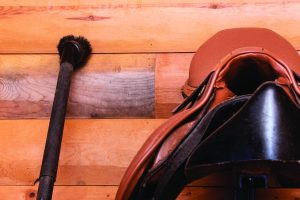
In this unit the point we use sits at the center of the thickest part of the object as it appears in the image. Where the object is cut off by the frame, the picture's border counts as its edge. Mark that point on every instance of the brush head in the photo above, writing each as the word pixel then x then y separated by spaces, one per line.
pixel 80 50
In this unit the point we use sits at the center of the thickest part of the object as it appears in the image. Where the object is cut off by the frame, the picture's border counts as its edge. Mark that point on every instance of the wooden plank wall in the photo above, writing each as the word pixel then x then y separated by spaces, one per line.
pixel 142 51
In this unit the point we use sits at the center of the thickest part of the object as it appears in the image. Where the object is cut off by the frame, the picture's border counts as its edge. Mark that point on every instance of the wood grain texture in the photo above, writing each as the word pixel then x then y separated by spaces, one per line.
pixel 109 192
pixel 94 152
pixel 109 86
pixel 121 27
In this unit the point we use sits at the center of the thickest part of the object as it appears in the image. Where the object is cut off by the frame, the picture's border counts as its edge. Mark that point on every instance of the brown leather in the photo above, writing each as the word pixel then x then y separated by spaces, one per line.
pixel 229 42
pixel 259 45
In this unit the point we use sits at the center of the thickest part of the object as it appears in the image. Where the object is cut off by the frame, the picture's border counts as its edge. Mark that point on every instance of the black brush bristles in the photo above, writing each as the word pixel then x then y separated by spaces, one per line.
pixel 83 44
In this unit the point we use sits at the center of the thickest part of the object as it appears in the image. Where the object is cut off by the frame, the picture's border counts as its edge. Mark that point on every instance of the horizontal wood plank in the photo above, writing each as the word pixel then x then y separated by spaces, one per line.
pixel 109 192
pixel 119 85
pixel 179 26
pixel 94 152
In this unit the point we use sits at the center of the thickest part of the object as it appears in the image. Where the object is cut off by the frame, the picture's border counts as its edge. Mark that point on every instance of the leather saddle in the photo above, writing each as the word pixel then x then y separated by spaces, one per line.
pixel 241 114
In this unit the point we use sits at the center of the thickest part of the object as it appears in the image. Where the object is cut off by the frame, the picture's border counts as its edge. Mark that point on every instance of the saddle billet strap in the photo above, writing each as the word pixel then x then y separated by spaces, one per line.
pixel 194 96
pixel 297 78
pixel 295 94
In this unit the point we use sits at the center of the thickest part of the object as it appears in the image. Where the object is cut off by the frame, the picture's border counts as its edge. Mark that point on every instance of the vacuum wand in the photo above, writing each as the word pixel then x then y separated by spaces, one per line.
pixel 73 52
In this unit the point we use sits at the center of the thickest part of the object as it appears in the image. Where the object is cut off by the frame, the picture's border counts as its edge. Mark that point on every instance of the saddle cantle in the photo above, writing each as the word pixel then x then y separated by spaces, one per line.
pixel 241 113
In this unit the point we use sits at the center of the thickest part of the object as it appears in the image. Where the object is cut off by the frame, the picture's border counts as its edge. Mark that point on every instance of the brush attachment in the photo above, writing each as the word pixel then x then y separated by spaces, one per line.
pixel 75 50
